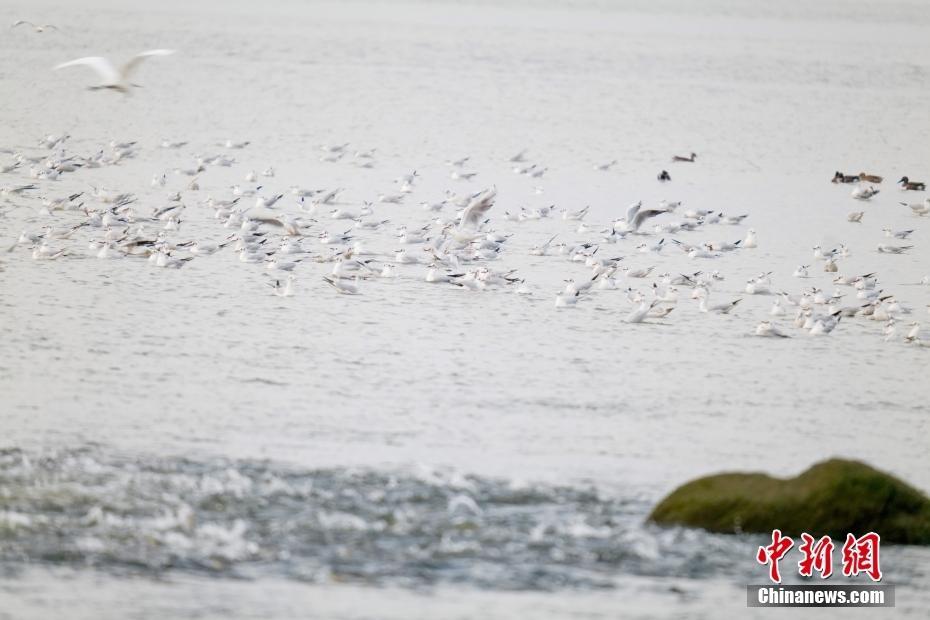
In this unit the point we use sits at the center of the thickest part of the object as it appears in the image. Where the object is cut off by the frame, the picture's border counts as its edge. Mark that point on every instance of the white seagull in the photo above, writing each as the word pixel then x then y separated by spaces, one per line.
pixel 893 249
pixel 717 308
pixel 283 290
pixel 110 77
pixel 636 216
pixel 897 234
pixel 467 229
pixel 864 193
pixel 37 27
pixel 341 286
pixel 765 328
pixel 639 314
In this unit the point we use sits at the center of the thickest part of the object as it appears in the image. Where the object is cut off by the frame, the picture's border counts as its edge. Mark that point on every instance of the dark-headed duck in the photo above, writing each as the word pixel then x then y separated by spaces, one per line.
pixel 839 177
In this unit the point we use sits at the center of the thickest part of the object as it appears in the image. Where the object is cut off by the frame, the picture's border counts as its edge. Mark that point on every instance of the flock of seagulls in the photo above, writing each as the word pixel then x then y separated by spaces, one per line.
pixel 284 232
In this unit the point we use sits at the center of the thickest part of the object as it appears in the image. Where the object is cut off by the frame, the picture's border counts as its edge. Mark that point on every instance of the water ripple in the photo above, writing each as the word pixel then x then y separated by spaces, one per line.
pixel 251 518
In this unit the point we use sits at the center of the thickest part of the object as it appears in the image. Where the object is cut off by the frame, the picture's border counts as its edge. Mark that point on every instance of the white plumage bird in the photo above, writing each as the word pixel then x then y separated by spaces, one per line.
pixel 467 229
pixel 37 27
pixel 111 77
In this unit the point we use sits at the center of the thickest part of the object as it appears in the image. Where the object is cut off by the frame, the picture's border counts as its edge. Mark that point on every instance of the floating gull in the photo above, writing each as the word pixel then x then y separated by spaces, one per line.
pixel 765 328
pixel 284 289
pixel 864 193
pixel 716 308
pixel 565 300
pixel 919 209
pixel 893 249
pixel 638 315
pixel 898 234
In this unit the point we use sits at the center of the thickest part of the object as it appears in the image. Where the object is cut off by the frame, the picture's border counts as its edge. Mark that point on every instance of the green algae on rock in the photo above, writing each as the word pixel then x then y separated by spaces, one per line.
pixel 833 497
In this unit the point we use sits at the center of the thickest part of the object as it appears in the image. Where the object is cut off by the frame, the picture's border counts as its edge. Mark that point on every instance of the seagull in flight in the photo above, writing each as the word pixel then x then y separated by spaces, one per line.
pixel 37 27
pixel 111 77
pixel 472 215
pixel 636 216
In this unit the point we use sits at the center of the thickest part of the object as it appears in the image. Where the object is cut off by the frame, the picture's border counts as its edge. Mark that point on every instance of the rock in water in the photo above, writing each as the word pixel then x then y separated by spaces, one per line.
pixel 834 497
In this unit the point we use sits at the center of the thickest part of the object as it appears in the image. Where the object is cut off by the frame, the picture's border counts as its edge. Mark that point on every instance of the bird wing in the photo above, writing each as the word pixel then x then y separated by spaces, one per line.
pixel 633 210
pixel 104 68
pixel 476 209
pixel 21 22
pixel 642 216
pixel 130 67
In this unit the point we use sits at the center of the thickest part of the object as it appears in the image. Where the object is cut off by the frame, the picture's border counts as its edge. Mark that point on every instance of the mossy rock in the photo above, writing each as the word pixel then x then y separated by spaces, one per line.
pixel 833 497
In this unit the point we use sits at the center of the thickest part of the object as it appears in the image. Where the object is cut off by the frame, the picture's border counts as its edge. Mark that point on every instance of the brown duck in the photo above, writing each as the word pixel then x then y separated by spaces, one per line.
pixel 917 186
pixel 870 178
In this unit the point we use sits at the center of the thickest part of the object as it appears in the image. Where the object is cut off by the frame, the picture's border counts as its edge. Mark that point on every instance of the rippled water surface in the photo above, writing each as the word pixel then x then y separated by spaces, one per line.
pixel 249 518
pixel 182 443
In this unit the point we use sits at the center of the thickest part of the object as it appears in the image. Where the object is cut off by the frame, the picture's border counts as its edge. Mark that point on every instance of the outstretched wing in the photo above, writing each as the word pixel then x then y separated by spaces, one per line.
pixel 642 216
pixel 104 68
pixel 136 60
pixel 21 22
pixel 632 211
pixel 476 209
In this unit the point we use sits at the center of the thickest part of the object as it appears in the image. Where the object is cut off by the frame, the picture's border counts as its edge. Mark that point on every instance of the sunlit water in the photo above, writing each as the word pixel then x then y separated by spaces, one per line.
pixel 420 450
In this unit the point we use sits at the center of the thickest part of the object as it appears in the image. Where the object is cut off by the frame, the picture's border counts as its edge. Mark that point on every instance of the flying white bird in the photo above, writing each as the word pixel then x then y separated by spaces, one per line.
pixel 471 216
pixel 636 216
pixel 110 77
pixel 37 27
